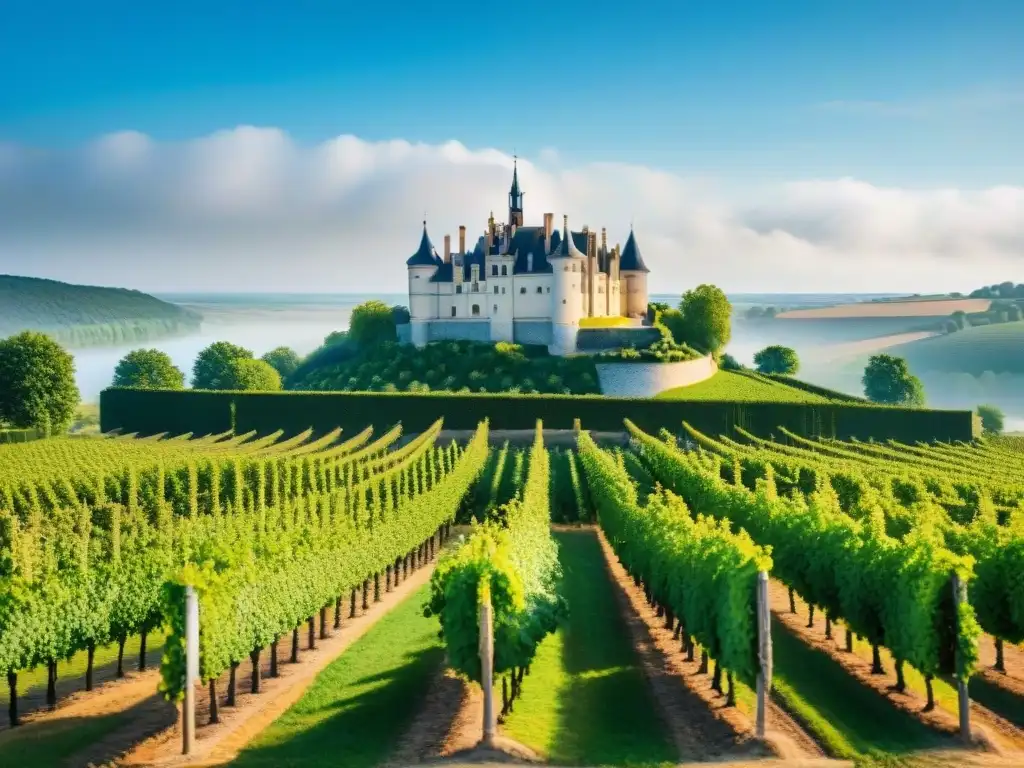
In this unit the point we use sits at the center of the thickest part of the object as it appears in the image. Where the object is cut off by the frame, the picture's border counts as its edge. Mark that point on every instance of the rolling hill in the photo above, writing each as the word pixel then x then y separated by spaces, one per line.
pixel 81 315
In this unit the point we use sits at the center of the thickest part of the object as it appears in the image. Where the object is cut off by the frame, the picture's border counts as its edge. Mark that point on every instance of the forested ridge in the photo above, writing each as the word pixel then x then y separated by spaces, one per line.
pixel 80 315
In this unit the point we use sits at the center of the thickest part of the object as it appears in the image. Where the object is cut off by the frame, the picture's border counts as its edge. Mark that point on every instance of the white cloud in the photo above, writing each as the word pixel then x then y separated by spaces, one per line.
pixel 248 209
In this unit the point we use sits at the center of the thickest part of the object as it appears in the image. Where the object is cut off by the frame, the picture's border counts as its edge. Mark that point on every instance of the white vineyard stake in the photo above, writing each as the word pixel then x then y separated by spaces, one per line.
pixel 188 726
pixel 487 674
pixel 764 651
pixel 960 596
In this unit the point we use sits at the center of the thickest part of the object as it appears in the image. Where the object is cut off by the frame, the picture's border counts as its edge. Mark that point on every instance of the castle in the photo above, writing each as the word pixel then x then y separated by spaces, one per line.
pixel 524 284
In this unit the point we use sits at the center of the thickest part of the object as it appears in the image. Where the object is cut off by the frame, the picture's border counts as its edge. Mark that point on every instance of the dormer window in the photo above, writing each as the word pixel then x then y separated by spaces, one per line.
pixel 529 262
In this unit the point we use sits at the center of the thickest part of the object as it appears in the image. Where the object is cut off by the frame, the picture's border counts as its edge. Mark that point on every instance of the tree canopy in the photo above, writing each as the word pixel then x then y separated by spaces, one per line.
pixel 148 369
pixel 284 360
pixel 707 319
pixel 252 375
pixel 887 379
pixel 372 322
pixel 212 367
pixel 991 419
pixel 778 360
pixel 37 383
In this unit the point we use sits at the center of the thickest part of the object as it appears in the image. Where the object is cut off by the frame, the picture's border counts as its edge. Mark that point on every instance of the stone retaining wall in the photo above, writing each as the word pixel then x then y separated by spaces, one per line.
pixel 648 379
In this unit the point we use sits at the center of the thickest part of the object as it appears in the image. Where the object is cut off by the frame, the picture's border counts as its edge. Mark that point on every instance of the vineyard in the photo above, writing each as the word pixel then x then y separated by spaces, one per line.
pixel 690 597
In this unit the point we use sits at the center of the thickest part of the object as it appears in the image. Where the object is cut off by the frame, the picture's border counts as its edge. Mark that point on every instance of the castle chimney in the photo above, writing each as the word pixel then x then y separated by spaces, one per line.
pixel 604 239
pixel 591 269
pixel 462 238
pixel 447 249
pixel 549 221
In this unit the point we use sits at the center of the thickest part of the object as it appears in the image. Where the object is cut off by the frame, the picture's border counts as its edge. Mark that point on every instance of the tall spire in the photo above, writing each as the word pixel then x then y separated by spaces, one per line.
pixel 515 196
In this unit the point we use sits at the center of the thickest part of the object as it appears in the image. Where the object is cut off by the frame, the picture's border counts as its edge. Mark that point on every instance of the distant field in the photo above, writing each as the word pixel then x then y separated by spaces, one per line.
pixel 913 308
pixel 728 385
pixel 998 348
pixel 870 346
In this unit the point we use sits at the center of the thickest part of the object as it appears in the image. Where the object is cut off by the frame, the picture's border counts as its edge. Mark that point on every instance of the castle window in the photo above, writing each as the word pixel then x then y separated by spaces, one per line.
pixel 503 290
pixel 504 270
pixel 495 309
pixel 458 288
pixel 566 268
pixel 495 289
pixel 453 311
pixel 539 289
pixel 549 289
pixel 523 289
pixel 563 301
pixel 494 270
pixel 476 310
pixel 574 267
pixel 529 262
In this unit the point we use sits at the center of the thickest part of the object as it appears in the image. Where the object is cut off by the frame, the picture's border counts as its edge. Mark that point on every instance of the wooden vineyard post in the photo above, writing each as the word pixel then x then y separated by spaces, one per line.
pixel 764 651
pixel 188 726
pixel 964 702
pixel 487 665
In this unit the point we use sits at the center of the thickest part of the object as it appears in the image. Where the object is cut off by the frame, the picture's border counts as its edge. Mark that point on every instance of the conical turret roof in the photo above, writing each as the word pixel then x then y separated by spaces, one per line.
pixel 425 255
pixel 631 260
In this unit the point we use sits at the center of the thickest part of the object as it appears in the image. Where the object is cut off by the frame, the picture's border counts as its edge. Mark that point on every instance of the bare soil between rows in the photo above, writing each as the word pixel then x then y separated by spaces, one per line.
pixel 219 743
pixel 702 727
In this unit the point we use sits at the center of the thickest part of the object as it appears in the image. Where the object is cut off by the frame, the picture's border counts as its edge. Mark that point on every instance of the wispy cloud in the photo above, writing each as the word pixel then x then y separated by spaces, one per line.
pixel 249 209
pixel 965 103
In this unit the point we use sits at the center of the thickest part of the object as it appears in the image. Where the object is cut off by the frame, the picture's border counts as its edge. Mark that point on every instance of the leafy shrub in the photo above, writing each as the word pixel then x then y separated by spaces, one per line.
pixel 148 369
pixel 992 419
pixel 777 359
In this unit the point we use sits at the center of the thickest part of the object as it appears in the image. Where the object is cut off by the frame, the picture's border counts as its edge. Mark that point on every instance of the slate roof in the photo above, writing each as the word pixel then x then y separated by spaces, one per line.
pixel 529 240
pixel 631 258
pixel 525 241
pixel 425 255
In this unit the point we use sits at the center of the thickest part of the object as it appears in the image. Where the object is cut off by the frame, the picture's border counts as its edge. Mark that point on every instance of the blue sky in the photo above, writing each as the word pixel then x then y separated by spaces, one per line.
pixel 902 92
pixel 768 145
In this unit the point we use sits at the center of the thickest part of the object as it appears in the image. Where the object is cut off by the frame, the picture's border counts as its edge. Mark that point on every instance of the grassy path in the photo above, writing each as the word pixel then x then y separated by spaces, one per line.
pixel 848 719
pixel 586 701
pixel 361 704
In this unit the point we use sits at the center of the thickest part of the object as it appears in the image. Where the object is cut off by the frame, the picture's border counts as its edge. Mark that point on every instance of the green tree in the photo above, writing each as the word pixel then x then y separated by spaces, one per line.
pixel 335 337
pixel 372 322
pixel 887 379
pixel 284 360
pixel 148 369
pixel 777 359
pixel 672 319
pixel 251 375
pixel 729 363
pixel 707 319
pixel 37 383
pixel 400 313
pixel 212 366
pixel 991 419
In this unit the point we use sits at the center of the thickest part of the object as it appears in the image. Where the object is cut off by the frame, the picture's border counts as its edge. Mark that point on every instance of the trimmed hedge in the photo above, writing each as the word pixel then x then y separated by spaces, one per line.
pixel 150 412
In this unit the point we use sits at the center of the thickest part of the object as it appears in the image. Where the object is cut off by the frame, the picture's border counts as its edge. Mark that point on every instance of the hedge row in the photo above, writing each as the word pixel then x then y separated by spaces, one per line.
pixel 151 412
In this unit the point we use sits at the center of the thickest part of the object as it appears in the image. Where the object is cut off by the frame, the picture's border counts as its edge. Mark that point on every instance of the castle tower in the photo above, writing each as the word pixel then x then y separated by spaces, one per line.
pixel 633 285
pixel 422 292
pixel 567 289
pixel 515 198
